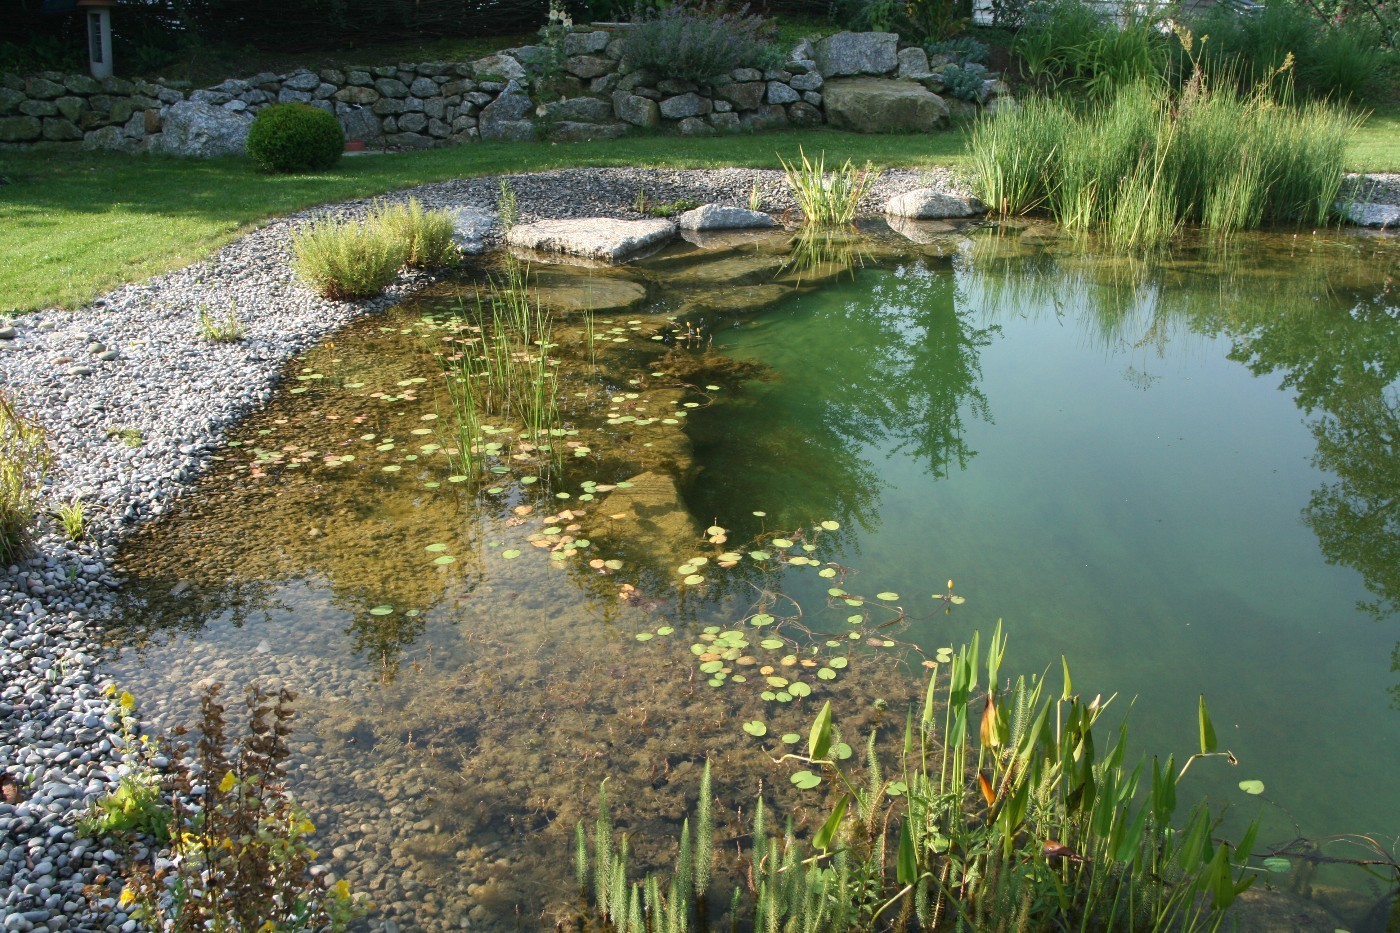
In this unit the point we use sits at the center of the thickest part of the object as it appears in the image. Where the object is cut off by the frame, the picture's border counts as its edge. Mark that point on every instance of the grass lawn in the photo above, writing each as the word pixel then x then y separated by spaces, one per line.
pixel 73 226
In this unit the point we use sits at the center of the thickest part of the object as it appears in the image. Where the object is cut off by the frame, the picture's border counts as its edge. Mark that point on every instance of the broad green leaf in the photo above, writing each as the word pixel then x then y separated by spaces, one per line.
pixel 907 868
pixel 822 840
pixel 819 739
pixel 1208 741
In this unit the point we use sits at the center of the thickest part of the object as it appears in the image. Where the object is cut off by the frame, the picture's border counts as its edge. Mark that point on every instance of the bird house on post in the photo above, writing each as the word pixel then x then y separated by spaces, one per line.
pixel 98 25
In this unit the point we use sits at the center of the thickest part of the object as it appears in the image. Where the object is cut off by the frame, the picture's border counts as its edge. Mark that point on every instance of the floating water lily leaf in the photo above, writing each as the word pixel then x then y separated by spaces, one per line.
pixel 1277 865
pixel 665 630
pixel 806 780
pixel 693 579
pixel 896 788
pixel 760 514
pixel 381 610
pixel 710 667
pixel 791 738
pixel 837 663
pixel 830 525
pixel 827 572
pixel 782 542
pixel 772 644
pixel 887 596
pixel 782 696
pixel 776 681
pixel 761 619
pixel 768 695
pixel 510 554
pixel 527 480
pixel 714 530
pixel 435 548
pixel 391 468
pixel 798 689
pixel 459 479
pixel 841 751
pixel 756 728
pixel 1252 787
pixel 716 681
pixel 645 636
pixel 826 673
pixel 760 555
pixel 444 560
pixel 944 655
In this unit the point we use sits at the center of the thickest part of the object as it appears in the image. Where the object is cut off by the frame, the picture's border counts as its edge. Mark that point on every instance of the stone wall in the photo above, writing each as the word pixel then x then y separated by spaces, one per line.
pixel 579 90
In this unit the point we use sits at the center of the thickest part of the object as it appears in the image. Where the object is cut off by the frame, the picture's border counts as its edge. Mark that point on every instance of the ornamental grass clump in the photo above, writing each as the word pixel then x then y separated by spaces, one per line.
pixel 828 199
pixel 426 235
pixel 696 43
pixel 345 260
pixel 24 459
pixel 1136 167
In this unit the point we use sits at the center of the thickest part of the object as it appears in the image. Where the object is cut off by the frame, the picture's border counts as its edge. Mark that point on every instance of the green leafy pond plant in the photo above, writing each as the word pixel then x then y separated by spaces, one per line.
pixel 1000 810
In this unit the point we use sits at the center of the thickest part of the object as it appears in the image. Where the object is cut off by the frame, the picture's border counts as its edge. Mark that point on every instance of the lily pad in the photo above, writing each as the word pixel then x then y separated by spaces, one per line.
pixel 791 738
pixel 381 610
pixel 830 525
pixel 444 559
pixel 826 673
pixel 887 596
pixel 1252 787
pixel 772 644
pixel 806 780
pixel 645 636
pixel 756 728
pixel 837 663
pixel 510 554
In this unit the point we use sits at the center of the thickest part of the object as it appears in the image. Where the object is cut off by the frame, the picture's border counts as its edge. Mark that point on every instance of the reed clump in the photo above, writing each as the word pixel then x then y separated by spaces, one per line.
pixel 1137 167
pixel 828 199
pixel 24 460
pixel 347 260
pixel 426 234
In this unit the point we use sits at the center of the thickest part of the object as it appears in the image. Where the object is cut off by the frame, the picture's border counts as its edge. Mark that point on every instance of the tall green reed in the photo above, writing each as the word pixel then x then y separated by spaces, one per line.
pixel 828 198
pixel 24 460
pixel 1134 168
pixel 499 366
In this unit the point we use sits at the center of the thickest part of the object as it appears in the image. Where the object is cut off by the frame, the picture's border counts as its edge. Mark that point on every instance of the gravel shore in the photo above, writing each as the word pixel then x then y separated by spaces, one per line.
pixel 131 367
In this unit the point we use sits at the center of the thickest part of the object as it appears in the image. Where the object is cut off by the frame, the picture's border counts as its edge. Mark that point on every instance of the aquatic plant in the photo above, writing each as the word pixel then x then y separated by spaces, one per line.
pixel 225 329
pixel 1003 817
pixel 1148 160
pixel 828 198
pixel 500 366
pixel 244 854
pixel 508 205
pixel 72 515
pixel 345 260
pixel 425 234
pixel 24 460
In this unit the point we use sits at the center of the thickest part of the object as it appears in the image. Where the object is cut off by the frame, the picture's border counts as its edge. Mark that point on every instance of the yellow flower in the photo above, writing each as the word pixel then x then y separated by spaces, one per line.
pixel 127 898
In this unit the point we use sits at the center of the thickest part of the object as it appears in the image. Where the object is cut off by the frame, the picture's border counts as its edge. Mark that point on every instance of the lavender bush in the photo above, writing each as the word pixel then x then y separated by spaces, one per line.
pixel 697 42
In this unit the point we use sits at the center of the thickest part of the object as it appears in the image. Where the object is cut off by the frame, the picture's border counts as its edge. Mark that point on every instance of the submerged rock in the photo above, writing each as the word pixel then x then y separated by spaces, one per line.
pixel 564 290
pixel 1371 215
pixel 649 519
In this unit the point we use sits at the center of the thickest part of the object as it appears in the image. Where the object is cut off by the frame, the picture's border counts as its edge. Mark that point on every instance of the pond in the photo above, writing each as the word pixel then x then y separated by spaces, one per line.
pixel 1180 474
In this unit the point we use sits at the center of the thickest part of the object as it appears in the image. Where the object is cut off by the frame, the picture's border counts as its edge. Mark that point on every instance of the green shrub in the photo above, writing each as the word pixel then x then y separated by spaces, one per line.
pixel 295 138
pixel 1067 44
pixel 1330 59
pixel 346 260
pixel 963 50
pixel 694 43
pixel 24 459
pixel 426 235
pixel 1137 166
pixel 964 81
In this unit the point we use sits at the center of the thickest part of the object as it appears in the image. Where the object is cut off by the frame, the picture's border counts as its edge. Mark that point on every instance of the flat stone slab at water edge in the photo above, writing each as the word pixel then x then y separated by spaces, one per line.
pixel 931 204
pixel 593 237
pixel 720 217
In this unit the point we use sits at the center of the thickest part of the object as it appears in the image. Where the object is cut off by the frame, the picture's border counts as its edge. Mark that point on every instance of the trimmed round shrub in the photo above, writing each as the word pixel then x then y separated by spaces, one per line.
pixel 295 138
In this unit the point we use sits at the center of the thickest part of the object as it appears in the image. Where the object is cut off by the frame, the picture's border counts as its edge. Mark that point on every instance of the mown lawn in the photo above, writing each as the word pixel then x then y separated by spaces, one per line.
pixel 73 226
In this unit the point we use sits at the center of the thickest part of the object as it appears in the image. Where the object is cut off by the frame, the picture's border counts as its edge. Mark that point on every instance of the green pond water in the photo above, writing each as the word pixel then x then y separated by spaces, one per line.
pixel 1180 474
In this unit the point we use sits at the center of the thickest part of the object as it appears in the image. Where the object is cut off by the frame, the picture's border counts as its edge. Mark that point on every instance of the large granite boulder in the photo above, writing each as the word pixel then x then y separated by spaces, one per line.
pixel 721 217
pixel 193 129
pixel 600 238
pixel 1370 215
pixel 508 116
pixel 636 110
pixel 498 67
pixel 931 204
pixel 881 105
pixel 857 53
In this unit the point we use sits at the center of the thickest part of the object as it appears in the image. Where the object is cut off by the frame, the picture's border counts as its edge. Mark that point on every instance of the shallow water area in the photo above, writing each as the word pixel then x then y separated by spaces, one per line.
pixel 1146 467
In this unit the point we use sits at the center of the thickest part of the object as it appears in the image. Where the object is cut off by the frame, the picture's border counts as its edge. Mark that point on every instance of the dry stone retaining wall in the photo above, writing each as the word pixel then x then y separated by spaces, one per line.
pixel 595 95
